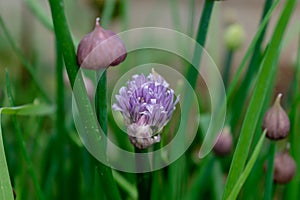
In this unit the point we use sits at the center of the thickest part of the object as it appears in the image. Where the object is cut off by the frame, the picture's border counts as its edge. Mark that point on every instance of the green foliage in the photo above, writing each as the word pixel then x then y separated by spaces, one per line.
pixel 42 157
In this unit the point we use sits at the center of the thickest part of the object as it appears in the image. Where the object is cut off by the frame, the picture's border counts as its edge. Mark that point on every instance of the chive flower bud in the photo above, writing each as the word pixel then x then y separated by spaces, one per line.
pixel 223 145
pixel 276 121
pixel 100 49
pixel 147 105
pixel 234 36
pixel 284 167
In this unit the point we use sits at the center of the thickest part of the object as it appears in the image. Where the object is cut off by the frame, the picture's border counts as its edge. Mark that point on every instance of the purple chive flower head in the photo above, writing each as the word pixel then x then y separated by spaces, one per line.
pixel 147 105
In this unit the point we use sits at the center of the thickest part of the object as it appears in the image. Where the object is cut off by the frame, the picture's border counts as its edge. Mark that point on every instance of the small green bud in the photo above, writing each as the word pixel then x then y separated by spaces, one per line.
pixel 223 145
pixel 284 167
pixel 234 36
pixel 276 121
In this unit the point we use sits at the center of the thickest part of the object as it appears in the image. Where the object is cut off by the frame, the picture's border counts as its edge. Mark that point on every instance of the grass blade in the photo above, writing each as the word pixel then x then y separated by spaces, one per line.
pixel 238 185
pixel 293 187
pixel 30 109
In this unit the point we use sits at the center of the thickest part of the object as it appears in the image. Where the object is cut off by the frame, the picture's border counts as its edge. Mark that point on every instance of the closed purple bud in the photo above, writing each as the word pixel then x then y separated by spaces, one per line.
pixel 100 49
pixel 224 143
pixel 147 105
pixel 284 168
pixel 276 121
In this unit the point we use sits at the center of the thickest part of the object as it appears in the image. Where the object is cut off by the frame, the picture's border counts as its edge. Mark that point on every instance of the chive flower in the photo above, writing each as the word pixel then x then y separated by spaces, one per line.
pixel 147 105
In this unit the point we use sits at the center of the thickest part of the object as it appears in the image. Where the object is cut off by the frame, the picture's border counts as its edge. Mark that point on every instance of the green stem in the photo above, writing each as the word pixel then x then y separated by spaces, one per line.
pixel 227 69
pixel 60 123
pixel 21 143
pixel 67 47
pixel 201 38
pixel 101 111
pixel 143 179
pixel 270 171
pixel 101 105
pixel 64 38
pixel 263 85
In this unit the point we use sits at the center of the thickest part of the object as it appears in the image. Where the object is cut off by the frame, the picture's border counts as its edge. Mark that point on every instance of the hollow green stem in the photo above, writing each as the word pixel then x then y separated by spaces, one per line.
pixel 67 47
pixel 201 38
pixel 143 180
pixel 101 112
pixel 227 69
pixel 101 105
pixel 270 171
pixel 60 138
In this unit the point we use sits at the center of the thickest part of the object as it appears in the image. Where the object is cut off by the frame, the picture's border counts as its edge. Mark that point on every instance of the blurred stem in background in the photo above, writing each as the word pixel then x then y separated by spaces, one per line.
pixel 21 143
pixel 38 11
pixel 177 175
pixel 29 67
pixel 227 69
pixel 190 27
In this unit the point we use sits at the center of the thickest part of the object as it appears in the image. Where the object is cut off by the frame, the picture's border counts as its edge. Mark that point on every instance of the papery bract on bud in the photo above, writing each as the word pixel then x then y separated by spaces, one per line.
pixel 100 49
pixel 147 105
